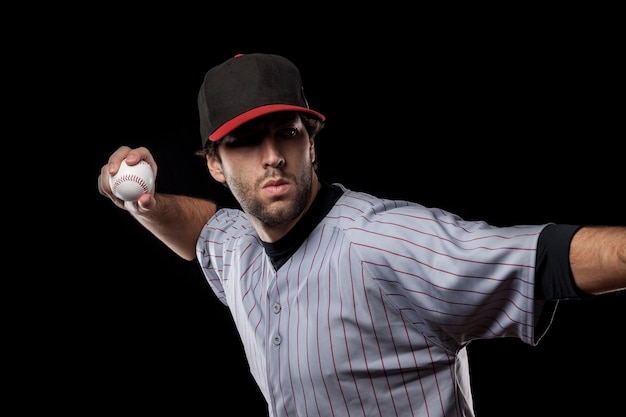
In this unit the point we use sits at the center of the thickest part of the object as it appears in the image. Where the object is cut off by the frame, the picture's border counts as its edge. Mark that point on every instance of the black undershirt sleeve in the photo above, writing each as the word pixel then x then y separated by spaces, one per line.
pixel 554 280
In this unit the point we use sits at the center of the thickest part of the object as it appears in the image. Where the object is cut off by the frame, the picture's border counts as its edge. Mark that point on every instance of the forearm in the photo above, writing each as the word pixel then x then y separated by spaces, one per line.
pixel 177 221
pixel 598 258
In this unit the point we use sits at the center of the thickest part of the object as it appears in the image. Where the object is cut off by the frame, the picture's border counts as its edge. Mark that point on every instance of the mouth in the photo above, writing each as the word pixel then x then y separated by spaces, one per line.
pixel 276 187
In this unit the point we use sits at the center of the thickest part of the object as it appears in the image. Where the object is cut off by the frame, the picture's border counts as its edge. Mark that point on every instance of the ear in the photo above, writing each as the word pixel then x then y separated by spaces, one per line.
pixel 215 169
pixel 312 150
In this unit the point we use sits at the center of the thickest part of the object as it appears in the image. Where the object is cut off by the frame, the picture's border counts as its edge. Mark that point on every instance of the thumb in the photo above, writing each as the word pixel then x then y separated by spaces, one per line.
pixel 146 202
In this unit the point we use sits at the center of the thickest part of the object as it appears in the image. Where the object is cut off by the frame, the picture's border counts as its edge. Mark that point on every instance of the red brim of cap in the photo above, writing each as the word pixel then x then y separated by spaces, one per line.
pixel 234 123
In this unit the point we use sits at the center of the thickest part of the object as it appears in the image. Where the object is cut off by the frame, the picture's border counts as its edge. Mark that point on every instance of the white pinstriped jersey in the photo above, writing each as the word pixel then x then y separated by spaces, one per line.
pixel 372 313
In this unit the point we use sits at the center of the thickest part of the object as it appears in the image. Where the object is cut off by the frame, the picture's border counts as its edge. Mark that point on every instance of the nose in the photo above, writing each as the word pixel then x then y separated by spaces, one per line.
pixel 272 157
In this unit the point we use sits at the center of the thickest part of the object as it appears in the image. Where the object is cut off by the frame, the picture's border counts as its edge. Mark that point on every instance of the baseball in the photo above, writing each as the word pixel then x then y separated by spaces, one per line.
pixel 130 182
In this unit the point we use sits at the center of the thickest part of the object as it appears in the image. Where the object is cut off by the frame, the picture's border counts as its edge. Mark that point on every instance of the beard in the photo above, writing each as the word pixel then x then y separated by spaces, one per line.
pixel 279 212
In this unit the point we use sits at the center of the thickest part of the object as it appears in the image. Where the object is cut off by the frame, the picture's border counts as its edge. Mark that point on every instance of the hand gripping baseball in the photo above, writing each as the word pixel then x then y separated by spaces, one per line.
pixel 130 182
pixel 114 183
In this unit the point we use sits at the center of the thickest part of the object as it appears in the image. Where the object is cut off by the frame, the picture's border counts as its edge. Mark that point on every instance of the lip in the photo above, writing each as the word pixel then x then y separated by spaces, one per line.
pixel 276 187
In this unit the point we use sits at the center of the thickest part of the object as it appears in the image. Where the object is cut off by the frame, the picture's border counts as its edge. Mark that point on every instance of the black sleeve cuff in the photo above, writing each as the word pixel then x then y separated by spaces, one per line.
pixel 554 280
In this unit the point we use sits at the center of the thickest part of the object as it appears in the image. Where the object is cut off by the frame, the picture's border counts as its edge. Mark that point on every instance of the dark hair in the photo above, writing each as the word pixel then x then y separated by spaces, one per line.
pixel 312 125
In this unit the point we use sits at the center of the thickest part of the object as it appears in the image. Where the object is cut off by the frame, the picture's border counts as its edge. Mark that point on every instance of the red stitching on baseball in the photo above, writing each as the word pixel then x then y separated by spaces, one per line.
pixel 131 177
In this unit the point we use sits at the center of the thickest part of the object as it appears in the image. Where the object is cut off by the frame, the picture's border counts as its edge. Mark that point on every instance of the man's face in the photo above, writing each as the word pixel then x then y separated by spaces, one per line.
pixel 267 164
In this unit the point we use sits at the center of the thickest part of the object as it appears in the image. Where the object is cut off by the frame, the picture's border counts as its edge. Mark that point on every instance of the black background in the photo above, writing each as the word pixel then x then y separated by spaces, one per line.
pixel 511 120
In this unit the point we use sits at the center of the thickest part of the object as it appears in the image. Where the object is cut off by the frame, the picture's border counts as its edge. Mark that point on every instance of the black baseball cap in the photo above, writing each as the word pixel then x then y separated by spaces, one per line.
pixel 247 86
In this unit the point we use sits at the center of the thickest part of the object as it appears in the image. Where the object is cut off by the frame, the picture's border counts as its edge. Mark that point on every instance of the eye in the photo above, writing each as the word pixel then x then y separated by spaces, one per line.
pixel 290 132
pixel 243 141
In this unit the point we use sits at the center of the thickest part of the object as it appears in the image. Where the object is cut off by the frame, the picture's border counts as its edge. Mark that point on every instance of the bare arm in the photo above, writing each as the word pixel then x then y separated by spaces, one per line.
pixel 598 258
pixel 176 220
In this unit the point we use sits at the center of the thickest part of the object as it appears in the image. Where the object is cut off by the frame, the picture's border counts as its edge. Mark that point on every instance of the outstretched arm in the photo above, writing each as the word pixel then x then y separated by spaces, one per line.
pixel 174 219
pixel 598 258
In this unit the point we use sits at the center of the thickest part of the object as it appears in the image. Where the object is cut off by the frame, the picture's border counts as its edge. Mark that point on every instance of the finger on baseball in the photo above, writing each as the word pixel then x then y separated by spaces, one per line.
pixel 103 184
pixel 104 187
pixel 116 159
pixel 146 202
pixel 132 157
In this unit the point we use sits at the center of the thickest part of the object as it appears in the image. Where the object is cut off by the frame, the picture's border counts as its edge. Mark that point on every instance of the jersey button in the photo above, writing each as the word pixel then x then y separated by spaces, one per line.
pixel 276 308
pixel 276 340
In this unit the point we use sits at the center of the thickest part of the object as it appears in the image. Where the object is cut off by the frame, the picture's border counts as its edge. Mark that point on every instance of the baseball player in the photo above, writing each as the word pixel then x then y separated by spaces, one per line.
pixel 348 304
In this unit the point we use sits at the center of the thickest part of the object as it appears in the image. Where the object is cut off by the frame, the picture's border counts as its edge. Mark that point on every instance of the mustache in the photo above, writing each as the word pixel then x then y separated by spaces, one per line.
pixel 276 173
